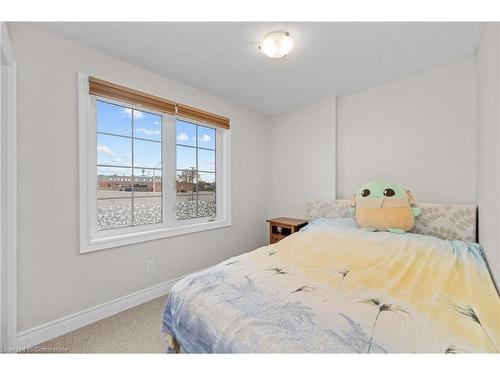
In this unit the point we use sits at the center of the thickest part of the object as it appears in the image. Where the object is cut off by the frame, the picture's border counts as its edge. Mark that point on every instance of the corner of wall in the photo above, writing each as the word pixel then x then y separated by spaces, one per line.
pixel 308 150
pixel 488 145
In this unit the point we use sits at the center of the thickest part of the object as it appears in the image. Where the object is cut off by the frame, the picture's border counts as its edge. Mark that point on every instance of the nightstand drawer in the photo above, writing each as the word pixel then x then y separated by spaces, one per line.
pixel 275 237
pixel 281 230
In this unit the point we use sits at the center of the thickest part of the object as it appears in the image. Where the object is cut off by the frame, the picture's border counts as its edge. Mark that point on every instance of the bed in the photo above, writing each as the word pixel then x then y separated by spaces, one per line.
pixel 334 288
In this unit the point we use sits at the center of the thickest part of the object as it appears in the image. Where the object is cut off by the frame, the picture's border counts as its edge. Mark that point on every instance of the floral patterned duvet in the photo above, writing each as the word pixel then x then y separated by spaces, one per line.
pixel 334 288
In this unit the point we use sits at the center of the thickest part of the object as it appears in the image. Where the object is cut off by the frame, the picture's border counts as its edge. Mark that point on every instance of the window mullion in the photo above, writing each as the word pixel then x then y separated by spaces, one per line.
pixel 169 170
pixel 196 175
pixel 132 175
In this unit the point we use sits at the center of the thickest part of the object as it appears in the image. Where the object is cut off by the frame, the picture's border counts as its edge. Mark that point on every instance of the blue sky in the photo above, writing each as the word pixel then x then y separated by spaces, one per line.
pixel 117 151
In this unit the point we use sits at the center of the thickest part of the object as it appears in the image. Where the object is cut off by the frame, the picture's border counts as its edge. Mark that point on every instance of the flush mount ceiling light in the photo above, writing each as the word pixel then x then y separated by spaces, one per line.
pixel 276 44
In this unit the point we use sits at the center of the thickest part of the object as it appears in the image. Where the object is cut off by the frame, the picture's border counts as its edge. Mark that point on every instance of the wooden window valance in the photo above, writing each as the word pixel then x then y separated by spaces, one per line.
pixel 124 94
pixel 113 91
pixel 200 115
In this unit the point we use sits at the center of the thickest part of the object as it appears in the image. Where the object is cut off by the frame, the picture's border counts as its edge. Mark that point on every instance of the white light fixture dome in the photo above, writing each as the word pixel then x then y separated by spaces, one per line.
pixel 276 44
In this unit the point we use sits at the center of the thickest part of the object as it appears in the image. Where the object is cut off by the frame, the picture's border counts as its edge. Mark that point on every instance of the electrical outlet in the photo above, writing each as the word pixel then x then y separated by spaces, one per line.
pixel 150 265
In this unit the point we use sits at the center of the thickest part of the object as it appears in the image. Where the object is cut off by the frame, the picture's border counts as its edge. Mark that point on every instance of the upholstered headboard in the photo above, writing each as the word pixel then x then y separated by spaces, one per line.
pixel 446 221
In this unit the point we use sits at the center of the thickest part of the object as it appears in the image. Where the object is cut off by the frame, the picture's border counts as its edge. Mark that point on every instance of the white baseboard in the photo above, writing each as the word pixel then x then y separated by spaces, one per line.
pixel 58 327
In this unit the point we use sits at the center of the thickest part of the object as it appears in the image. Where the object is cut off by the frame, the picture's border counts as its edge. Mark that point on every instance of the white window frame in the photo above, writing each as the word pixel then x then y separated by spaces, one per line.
pixel 90 238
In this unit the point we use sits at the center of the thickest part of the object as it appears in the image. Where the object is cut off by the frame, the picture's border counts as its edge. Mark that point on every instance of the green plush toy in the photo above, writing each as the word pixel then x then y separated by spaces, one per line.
pixel 380 205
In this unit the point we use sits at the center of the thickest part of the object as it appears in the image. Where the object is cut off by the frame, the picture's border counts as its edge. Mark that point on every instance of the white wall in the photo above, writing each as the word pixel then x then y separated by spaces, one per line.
pixel 54 279
pixel 8 172
pixel 488 146
pixel 419 131
pixel 301 158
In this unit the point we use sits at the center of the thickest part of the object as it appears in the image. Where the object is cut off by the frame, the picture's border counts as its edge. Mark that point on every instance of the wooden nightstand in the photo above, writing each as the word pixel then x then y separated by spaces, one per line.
pixel 281 227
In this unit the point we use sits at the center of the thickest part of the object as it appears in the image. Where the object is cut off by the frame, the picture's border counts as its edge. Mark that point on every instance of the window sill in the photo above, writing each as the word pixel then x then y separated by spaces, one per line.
pixel 156 234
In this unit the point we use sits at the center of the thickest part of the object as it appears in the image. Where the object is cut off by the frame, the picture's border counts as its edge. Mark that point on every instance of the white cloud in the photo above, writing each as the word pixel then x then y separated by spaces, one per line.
pixel 105 150
pixel 156 122
pixel 117 160
pixel 205 138
pixel 182 137
pixel 147 131
pixel 128 113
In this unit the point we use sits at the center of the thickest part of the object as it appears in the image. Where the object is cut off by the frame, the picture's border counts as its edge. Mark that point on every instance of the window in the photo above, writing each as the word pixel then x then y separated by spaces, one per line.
pixel 145 171
pixel 129 157
pixel 196 174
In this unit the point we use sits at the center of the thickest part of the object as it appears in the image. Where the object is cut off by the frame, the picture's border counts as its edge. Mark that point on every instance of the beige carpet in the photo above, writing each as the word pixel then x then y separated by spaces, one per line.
pixel 136 330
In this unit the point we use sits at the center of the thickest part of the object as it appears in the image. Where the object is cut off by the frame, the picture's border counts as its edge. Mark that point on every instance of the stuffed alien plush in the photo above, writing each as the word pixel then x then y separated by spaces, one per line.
pixel 380 205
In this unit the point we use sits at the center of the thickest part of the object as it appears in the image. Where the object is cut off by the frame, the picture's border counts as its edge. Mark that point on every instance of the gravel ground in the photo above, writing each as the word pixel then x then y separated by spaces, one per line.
pixel 117 213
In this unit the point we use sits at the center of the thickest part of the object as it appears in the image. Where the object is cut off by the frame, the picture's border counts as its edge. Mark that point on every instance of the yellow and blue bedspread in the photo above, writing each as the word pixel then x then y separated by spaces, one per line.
pixel 334 288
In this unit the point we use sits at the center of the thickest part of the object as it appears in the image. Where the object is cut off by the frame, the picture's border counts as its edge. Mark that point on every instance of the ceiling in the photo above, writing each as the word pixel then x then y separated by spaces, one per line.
pixel 329 59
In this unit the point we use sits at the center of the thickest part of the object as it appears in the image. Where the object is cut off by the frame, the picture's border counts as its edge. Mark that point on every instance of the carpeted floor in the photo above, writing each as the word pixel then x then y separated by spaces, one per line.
pixel 136 330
